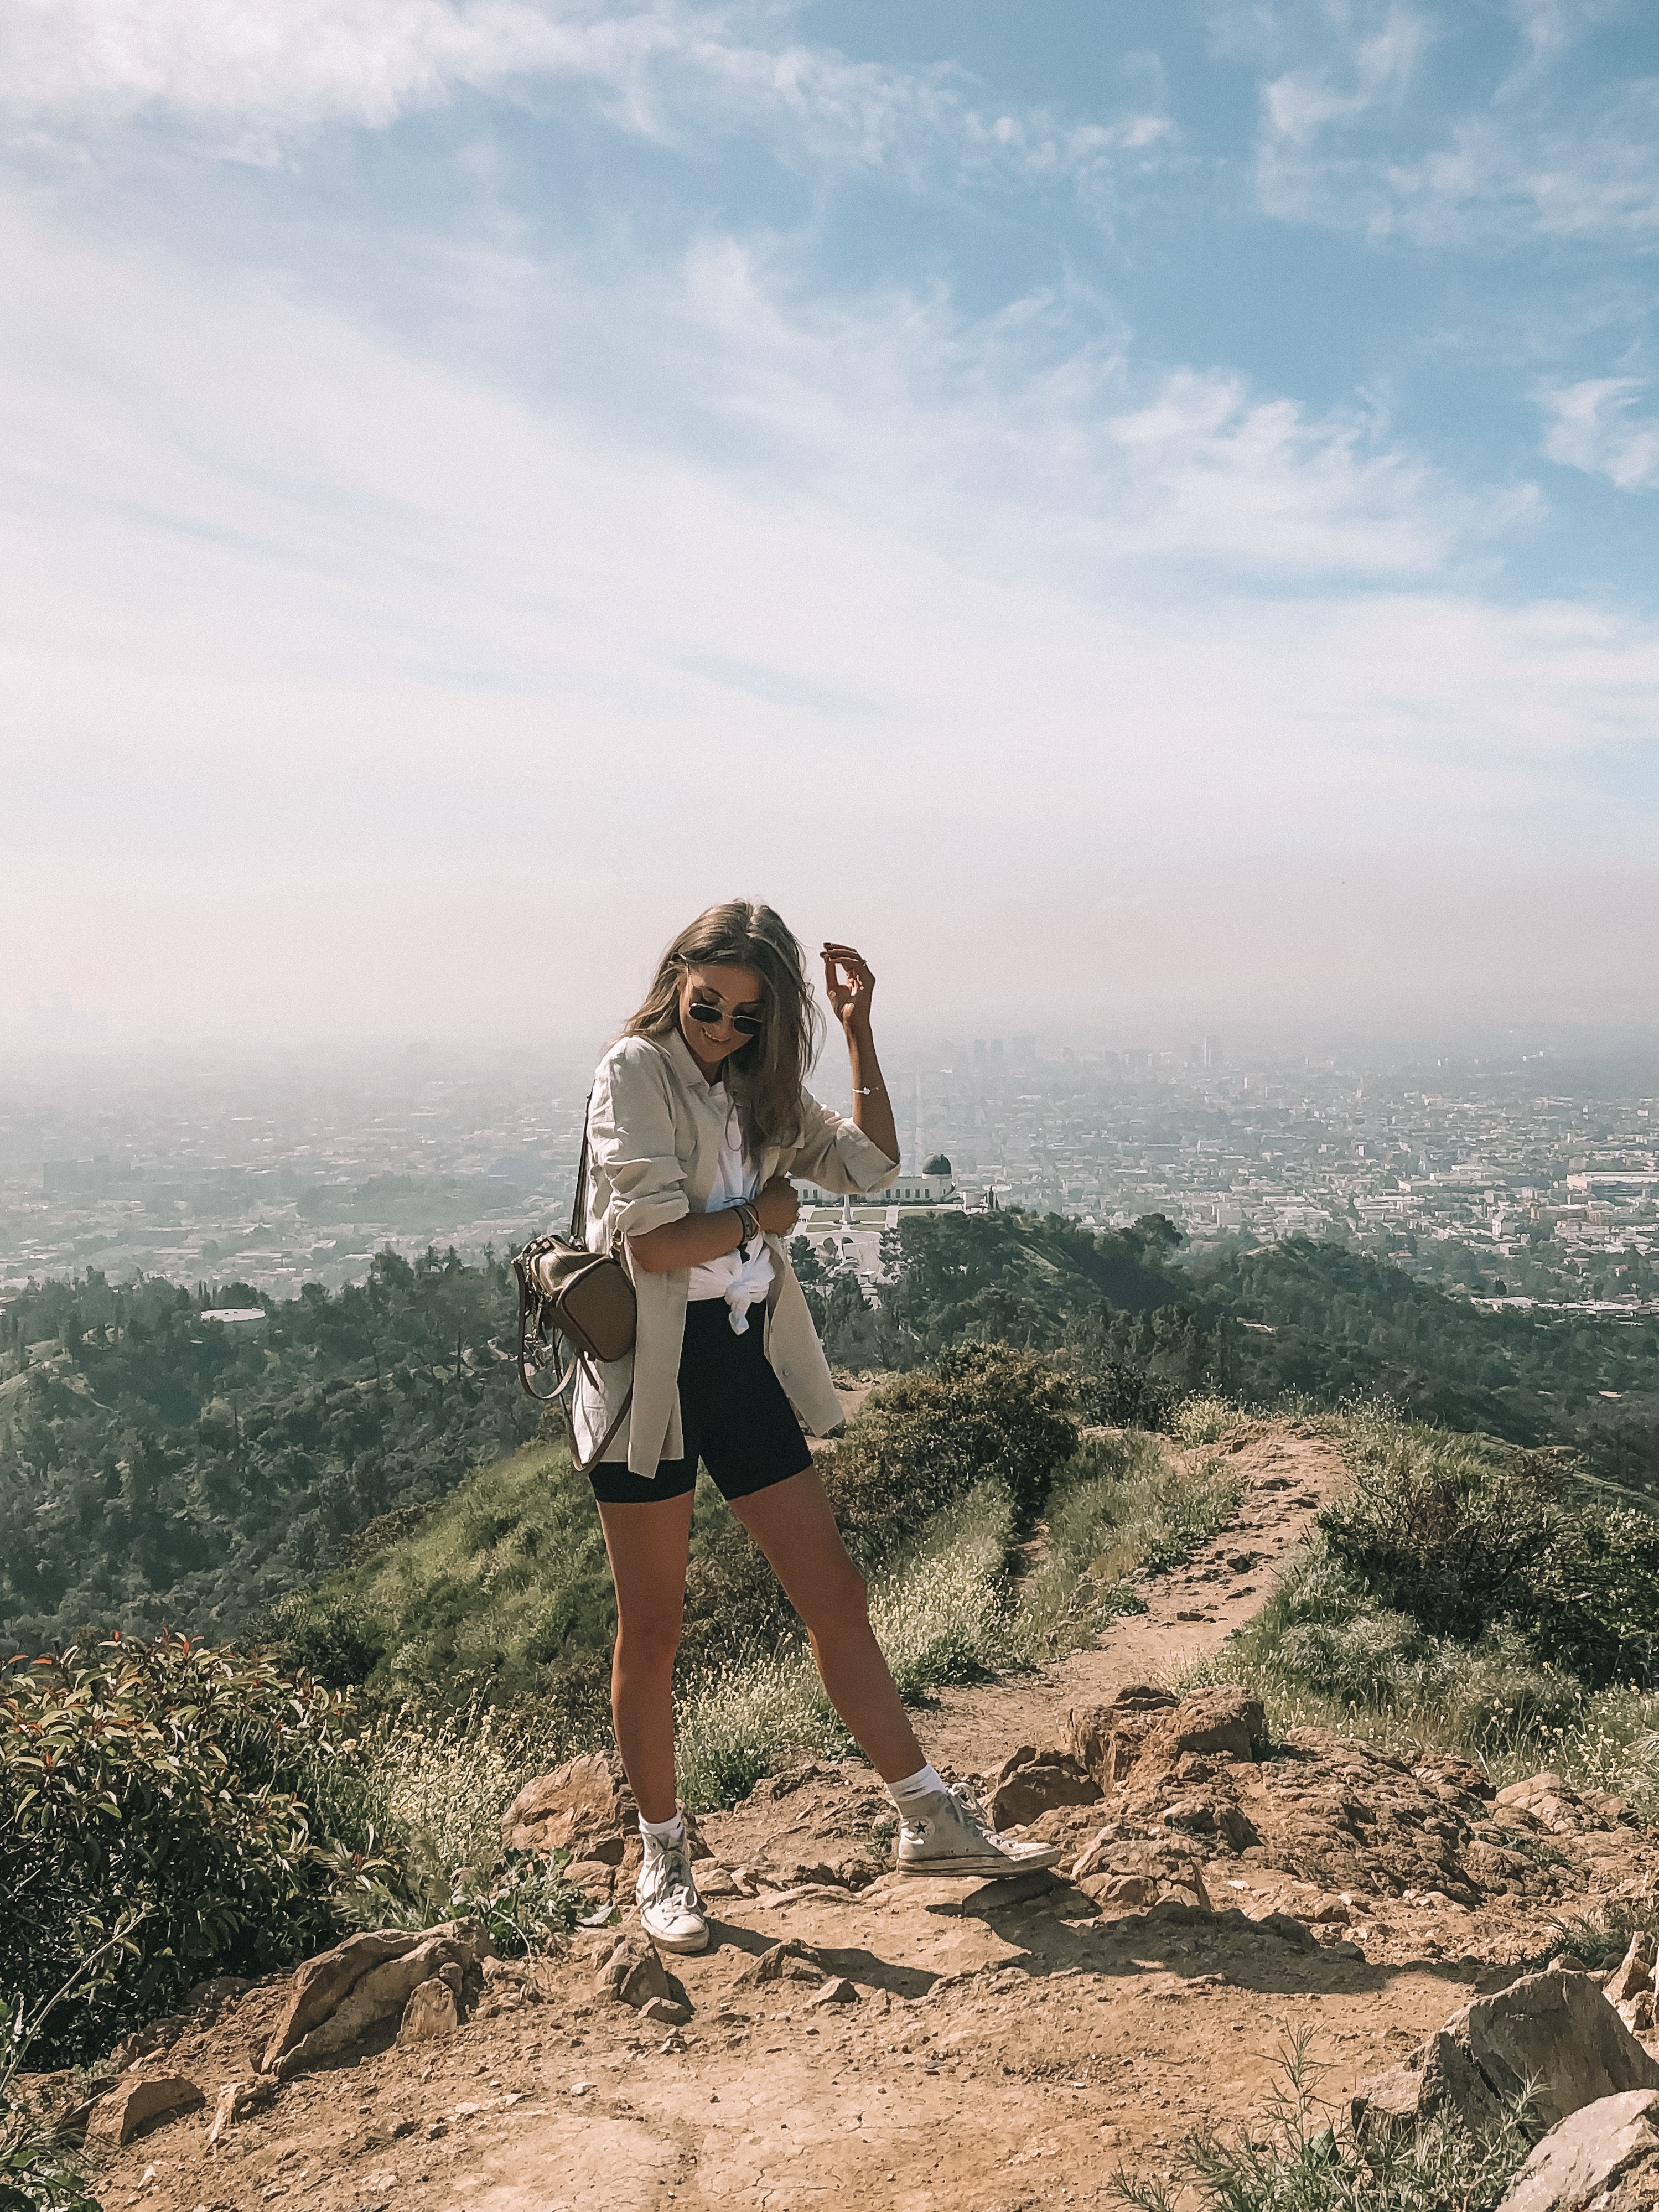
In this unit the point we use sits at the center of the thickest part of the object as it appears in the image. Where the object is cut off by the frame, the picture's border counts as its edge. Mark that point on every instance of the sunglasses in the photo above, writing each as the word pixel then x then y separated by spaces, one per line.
pixel 749 1025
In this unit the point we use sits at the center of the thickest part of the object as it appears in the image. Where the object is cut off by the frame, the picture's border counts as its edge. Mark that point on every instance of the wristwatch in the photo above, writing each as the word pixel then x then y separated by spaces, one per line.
pixel 749 1223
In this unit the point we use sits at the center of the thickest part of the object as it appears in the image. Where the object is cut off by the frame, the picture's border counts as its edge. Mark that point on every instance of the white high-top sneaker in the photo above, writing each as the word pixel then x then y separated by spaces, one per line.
pixel 945 1833
pixel 671 1912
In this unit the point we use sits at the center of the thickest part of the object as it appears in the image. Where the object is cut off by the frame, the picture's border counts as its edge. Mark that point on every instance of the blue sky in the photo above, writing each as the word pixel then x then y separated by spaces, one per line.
pixel 1131 513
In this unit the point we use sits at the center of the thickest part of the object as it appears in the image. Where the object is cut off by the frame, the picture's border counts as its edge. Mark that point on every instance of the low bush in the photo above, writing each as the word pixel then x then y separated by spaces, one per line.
pixel 1464 1536
pixel 200 1806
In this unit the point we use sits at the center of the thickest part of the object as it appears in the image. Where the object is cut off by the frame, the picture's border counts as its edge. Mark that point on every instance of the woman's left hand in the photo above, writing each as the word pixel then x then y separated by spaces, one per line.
pixel 849 986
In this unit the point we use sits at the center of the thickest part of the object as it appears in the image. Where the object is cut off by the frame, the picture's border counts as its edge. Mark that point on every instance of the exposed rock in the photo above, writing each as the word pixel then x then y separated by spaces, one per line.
pixel 339 1997
pixel 1547 1799
pixel 1604 2156
pixel 579 1804
pixel 138 2103
pixel 223 2113
pixel 784 1962
pixel 321 1983
pixel 1555 2031
pixel 1106 1740
pixel 1634 1973
pixel 1131 1874
pixel 1038 1786
pixel 431 2012
pixel 1225 1720
pixel 1289 1930
pixel 633 1974
pixel 837 1990
pixel 668 2012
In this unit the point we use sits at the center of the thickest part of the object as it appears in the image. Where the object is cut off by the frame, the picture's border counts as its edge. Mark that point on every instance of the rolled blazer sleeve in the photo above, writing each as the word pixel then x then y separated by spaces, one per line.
pixel 630 1127
pixel 835 1154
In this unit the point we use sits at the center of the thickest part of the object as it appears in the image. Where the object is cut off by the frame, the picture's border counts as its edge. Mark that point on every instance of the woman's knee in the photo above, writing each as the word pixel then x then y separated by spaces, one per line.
pixel 840 1601
pixel 647 1647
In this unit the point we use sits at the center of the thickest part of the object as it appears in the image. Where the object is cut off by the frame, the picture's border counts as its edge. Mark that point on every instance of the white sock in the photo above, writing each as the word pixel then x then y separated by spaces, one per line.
pixel 914 1786
pixel 665 1832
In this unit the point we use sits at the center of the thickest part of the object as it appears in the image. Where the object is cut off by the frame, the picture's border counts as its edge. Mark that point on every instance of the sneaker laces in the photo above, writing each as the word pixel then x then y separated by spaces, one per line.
pixel 973 1814
pixel 669 1879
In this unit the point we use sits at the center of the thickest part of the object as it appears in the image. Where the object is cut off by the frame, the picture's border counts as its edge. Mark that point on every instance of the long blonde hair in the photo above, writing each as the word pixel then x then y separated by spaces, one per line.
pixel 767 1076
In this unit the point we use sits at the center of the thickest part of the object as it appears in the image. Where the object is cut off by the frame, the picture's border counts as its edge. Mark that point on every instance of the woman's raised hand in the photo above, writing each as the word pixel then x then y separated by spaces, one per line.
pixel 778 1207
pixel 849 986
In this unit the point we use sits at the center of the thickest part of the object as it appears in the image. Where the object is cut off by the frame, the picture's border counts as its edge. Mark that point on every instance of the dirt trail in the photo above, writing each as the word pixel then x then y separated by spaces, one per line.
pixel 1287 1475
pixel 1010 2044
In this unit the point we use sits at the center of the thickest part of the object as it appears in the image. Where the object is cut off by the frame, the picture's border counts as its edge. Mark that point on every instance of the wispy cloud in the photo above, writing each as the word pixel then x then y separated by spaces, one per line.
pixel 254 76
pixel 1593 426
pixel 1531 159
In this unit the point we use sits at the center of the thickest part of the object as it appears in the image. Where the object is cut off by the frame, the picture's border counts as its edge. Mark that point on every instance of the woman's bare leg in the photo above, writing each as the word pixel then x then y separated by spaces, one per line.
pixel 792 1523
pixel 648 1546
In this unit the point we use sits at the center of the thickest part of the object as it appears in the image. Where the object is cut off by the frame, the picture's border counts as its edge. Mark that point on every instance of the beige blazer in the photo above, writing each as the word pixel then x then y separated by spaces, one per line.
pixel 655 1144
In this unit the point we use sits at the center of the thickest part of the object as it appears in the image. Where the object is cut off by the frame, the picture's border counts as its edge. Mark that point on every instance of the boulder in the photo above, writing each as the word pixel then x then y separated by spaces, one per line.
pixel 667 2012
pixel 1555 2031
pixel 837 1990
pixel 585 1802
pixel 321 1982
pixel 1039 1787
pixel 633 1974
pixel 380 1994
pixel 431 2012
pixel 1604 2156
pixel 1224 1722
pixel 1105 1739
pixel 1547 1799
pixel 339 1995
pixel 784 1962
pixel 139 2104
pixel 1127 1875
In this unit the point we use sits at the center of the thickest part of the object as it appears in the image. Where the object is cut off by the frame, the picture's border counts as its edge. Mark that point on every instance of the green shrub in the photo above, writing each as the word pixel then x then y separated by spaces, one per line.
pixel 1445 1528
pixel 204 1800
pixel 1463 1535
pixel 986 1411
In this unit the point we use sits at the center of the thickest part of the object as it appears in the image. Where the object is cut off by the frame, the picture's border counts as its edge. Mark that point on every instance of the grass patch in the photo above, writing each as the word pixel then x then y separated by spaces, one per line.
pixel 1305 2157
pixel 1122 1506
pixel 1425 1617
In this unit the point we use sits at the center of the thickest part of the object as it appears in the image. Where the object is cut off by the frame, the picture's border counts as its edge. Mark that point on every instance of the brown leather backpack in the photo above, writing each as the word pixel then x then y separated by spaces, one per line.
pixel 574 1307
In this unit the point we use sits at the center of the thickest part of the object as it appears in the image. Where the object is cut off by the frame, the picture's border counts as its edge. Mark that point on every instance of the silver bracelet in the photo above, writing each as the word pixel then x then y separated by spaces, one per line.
pixel 870 1093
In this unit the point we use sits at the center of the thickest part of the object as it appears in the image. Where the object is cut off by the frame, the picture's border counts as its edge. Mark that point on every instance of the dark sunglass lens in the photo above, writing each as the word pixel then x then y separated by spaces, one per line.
pixel 747 1024
pixel 703 1013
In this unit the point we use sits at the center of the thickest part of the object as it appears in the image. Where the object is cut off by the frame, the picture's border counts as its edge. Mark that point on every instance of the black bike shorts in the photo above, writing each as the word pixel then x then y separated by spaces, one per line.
pixel 733 1414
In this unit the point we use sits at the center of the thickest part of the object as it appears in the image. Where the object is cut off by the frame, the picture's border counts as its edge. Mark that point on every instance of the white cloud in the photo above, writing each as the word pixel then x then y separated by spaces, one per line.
pixel 1593 428
pixel 1375 70
pixel 1531 159
pixel 321 628
pixel 255 75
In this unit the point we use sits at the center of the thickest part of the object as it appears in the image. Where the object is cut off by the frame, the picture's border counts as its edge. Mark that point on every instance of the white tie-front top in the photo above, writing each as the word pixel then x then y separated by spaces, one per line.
pixel 742 1283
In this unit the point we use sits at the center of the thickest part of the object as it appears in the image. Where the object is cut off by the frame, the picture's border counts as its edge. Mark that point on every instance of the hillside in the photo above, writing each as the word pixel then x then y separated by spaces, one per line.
pixel 159 1469
pixel 1265 1892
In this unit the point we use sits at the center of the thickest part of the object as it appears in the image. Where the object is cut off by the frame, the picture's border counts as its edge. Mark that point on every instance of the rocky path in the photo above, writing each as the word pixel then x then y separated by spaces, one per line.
pixel 859 2039
pixel 1287 1475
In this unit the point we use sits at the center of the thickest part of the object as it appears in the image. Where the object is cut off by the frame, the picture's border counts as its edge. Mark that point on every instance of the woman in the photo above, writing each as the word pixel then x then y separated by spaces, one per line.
pixel 699 1116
